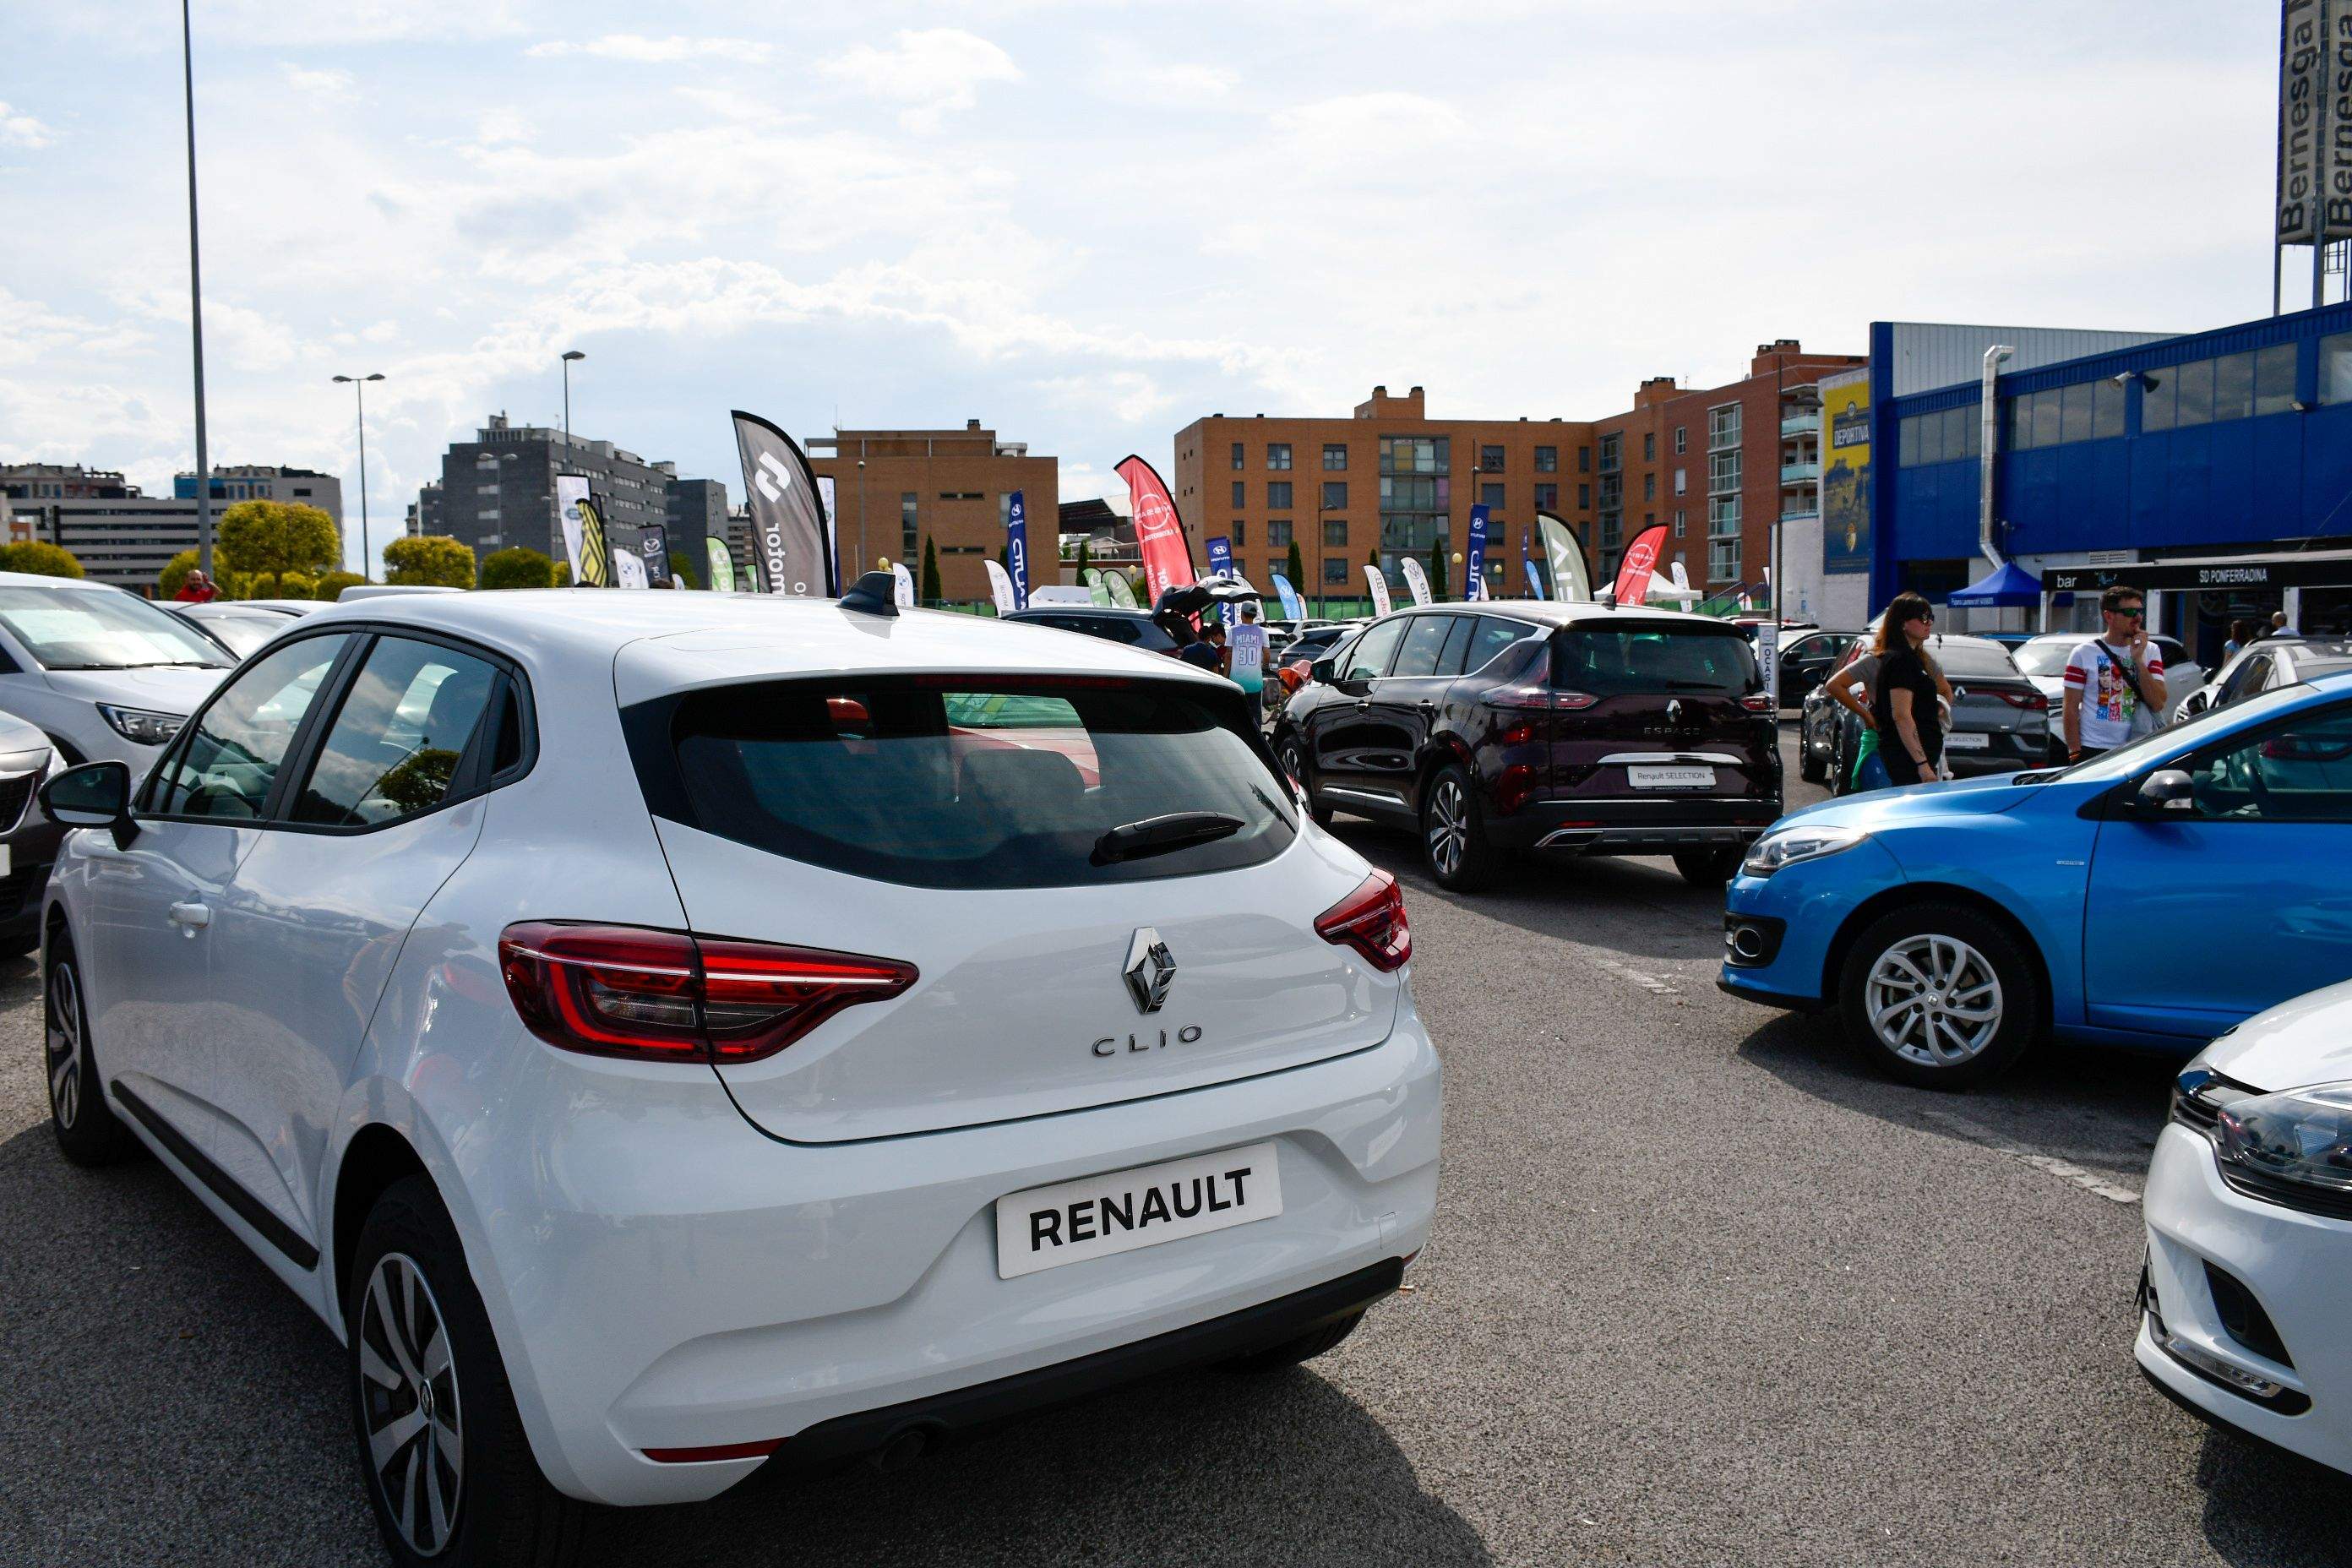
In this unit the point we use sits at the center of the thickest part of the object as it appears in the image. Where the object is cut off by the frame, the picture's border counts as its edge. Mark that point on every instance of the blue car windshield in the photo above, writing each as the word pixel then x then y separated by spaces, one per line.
pixel 2133 755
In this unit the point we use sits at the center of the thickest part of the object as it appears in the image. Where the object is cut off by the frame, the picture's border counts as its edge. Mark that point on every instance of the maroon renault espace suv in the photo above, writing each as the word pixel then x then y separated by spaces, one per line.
pixel 1572 729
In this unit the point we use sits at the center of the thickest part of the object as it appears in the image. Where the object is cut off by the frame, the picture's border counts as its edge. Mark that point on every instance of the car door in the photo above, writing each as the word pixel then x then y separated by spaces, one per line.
pixel 1338 728
pixel 2206 912
pixel 151 939
pixel 1403 708
pixel 389 803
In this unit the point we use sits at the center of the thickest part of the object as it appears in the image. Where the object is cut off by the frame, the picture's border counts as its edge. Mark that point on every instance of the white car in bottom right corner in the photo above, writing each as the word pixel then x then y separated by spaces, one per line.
pixel 2249 1211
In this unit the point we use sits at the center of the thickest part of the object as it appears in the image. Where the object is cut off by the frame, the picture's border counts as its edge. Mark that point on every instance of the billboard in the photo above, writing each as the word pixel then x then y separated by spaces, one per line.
pixel 1846 474
pixel 2314 123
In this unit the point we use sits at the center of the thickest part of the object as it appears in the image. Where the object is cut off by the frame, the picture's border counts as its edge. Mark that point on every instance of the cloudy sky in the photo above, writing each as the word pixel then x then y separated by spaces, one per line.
pixel 1083 224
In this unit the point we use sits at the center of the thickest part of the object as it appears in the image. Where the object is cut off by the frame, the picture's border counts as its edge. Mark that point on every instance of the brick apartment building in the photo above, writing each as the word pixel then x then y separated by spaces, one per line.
pixel 1390 478
pixel 1720 466
pixel 894 489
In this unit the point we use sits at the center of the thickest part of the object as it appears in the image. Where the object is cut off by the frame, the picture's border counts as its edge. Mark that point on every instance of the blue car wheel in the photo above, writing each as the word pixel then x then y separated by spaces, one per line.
pixel 1940 995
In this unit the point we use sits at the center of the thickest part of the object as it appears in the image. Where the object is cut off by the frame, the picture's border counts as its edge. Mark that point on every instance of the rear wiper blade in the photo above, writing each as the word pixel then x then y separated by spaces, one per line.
pixel 1161 835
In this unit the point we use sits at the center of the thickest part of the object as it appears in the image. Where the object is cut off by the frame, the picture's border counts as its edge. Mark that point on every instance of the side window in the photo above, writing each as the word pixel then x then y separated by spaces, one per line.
pixel 1491 638
pixel 1423 643
pixel 230 760
pixel 1457 646
pixel 2246 679
pixel 1369 660
pixel 2300 772
pixel 395 748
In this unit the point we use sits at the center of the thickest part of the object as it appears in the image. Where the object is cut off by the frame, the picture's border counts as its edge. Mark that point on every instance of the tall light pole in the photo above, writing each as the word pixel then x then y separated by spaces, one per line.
pixel 196 304
pixel 358 388
pixel 569 355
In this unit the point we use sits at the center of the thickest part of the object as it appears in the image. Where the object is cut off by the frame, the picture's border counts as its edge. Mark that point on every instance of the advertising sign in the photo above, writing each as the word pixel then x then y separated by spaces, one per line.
pixel 1000 587
pixel 790 539
pixel 1158 529
pixel 1379 587
pixel 1416 580
pixel 1640 557
pixel 1528 571
pixel 653 548
pixel 1565 557
pixel 1292 608
pixel 1016 547
pixel 1221 555
pixel 1845 476
pixel 570 494
pixel 1097 591
pixel 1121 586
pixel 722 565
pixel 904 581
pixel 1476 562
pixel 629 570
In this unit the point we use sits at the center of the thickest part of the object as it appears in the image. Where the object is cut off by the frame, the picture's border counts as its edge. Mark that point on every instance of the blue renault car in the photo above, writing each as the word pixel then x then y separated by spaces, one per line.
pixel 2151 897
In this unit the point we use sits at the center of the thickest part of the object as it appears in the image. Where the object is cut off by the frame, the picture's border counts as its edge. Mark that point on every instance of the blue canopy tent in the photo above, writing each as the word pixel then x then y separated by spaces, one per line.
pixel 2008 587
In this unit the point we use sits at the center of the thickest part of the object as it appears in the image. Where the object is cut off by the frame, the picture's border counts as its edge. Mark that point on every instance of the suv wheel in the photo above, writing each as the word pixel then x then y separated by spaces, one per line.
pixel 86 1126
pixel 1292 755
pixel 1454 832
pixel 1940 996
pixel 1708 868
pixel 446 1466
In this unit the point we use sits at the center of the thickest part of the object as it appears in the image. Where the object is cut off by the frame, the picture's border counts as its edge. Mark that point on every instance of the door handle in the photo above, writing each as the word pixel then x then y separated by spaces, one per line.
pixel 1362 703
pixel 1426 706
pixel 191 917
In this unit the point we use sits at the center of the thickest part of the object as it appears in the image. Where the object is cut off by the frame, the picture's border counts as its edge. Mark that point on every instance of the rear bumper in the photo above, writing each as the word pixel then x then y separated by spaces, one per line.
pixel 1617 827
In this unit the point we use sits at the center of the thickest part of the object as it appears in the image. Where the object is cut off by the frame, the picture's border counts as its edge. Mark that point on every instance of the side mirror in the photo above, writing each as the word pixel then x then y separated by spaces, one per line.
pixel 1323 670
pixel 2168 789
pixel 95 794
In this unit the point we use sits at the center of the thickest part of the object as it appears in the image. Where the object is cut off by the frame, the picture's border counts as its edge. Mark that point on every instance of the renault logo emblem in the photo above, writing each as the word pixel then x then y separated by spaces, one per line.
pixel 1151 970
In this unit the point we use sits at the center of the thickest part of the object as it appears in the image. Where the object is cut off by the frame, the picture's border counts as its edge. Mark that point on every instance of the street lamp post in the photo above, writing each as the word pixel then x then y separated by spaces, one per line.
pixel 359 389
pixel 196 304
pixel 569 355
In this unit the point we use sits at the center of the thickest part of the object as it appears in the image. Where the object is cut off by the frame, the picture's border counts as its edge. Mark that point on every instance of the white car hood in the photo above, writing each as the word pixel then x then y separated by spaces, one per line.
pixel 2303 1041
pixel 162 689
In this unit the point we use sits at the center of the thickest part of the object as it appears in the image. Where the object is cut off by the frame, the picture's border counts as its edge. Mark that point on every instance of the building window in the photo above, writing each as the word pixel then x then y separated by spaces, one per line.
pixel 1240 532
pixel 1277 534
pixel 1547 498
pixel 1649 487
pixel 1584 498
pixel 1682 439
pixel 1723 560
pixel 1490 460
pixel 1723 470
pixel 1682 523
pixel 1491 497
pixel 1416 454
pixel 1649 446
pixel 1611 450
pixel 1723 428
pixel 1277 455
pixel 910 527
pixel 1241 493
pixel 1335 572
pixel 1277 494
pixel 1723 517
pixel 1335 495
pixel 1335 534
pixel 2273 382
pixel 1546 459
pixel 1334 457
pixel 1584 459
pixel 1237 456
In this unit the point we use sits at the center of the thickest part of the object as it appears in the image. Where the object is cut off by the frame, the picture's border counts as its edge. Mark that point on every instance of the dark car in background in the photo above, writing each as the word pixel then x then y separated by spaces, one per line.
pixel 1806 661
pixel 1133 627
pixel 1296 658
pixel 2000 721
pixel 1559 729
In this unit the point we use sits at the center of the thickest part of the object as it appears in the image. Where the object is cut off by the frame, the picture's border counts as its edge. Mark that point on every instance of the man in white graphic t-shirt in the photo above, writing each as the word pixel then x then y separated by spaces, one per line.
pixel 2109 677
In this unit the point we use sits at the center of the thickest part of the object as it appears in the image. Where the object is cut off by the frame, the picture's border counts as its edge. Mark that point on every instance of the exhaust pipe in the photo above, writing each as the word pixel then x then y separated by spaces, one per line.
pixel 900 1450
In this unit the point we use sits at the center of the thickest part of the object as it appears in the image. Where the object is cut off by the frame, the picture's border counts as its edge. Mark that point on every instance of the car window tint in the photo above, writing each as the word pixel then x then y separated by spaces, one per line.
pixel 1369 658
pixel 2247 678
pixel 394 747
pixel 1457 645
pixel 1616 662
pixel 1424 639
pixel 1490 637
pixel 226 765
pixel 1979 660
pixel 2301 772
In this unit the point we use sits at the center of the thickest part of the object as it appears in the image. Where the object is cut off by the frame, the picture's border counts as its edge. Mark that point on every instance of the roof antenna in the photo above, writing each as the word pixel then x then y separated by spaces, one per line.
pixel 876 594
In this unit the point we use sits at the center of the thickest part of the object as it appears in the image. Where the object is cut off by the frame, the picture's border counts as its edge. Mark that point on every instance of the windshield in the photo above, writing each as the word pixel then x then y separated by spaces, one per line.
pixel 2187 736
pixel 84 629
pixel 1978 659
pixel 243 633
pixel 1618 661
pixel 2040 657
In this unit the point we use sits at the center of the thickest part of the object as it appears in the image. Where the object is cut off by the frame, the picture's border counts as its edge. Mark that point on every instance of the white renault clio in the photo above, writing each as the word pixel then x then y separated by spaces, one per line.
pixel 670 1034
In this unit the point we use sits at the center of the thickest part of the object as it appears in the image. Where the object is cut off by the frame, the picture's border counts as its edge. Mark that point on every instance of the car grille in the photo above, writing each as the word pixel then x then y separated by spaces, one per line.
pixel 16 790
pixel 2199 1093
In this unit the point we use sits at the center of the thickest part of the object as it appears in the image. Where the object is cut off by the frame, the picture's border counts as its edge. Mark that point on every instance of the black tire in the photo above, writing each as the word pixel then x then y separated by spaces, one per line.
pixel 502 1509
pixel 1454 832
pixel 1290 1353
pixel 1291 752
pixel 87 1129
pixel 1841 763
pixel 1708 868
pixel 1967 948
pixel 1810 768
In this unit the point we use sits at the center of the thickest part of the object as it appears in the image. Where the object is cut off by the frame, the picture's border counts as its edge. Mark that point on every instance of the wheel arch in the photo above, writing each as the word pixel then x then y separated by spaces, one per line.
pixel 1905 894
pixel 376 1157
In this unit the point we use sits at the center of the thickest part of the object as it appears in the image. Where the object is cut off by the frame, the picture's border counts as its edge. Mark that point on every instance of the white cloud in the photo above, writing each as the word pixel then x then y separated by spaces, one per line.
pixel 934 71
pixel 323 82
pixel 1126 74
pixel 22 129
pixel 1130 394
pixel 640 50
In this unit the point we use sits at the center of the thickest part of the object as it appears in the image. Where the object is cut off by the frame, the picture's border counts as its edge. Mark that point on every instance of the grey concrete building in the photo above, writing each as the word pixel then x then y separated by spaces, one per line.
pixel 256 481
pixel 123 539
pixel 425 511
pixel 498 490
pixel 698 510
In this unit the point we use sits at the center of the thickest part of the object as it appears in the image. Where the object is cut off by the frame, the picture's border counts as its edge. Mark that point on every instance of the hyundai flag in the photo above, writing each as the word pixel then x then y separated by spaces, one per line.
pixel 1016 548
pixel 1221 555
pixel 1475 588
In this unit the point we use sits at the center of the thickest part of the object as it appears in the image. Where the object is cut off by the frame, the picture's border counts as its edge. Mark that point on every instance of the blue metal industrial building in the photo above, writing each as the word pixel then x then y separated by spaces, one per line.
pixel 2180 464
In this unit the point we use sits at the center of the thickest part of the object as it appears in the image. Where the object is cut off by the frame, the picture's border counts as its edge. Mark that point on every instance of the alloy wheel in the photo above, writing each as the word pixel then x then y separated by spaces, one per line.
pixel 408 1397
pixel 1449 827
pixel 1934 1000
pixel 64 1053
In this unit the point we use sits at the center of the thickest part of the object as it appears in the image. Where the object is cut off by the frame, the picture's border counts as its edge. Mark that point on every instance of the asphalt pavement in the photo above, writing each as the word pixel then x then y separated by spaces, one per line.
pixel 1702 1290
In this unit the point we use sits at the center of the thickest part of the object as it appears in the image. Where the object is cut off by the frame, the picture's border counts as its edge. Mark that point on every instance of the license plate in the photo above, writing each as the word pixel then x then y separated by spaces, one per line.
pixel 1969 741
pixel 1095 1216
pixel 1670 778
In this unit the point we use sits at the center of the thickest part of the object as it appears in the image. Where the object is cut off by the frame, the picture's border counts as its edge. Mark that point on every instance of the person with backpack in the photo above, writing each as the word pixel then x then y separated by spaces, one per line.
pixel 2115 681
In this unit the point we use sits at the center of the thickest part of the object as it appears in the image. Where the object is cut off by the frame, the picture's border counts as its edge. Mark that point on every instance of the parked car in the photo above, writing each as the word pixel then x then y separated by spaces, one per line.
pixel 2249 1216
pixel 241 626
pixel 1571 729
pixel 2000 720
pixel 2010 640
pixel 100 672
pixel 2267 665
pixel 1296 660
pixel 2153 896
pixel 2044 659
pixel 29 839
pixel 671 1035
pixel 1135 628
pixel 1806 661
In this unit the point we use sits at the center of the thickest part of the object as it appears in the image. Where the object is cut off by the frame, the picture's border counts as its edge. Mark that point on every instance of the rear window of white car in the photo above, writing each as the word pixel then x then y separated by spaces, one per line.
pixel 975 783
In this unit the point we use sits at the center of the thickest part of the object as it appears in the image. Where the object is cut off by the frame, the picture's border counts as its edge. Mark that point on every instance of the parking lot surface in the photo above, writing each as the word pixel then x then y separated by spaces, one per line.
pixel 1702 1290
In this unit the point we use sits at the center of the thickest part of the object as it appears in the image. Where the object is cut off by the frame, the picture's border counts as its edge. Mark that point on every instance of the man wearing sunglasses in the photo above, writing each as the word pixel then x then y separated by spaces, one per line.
pixel 2115 681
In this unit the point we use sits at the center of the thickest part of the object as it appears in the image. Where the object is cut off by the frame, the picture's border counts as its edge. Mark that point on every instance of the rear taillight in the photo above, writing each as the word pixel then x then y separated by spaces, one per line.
pixel 1760 702
pixel 2032 702
pixel 1371 920
pixel 1541 698
pixel 658 996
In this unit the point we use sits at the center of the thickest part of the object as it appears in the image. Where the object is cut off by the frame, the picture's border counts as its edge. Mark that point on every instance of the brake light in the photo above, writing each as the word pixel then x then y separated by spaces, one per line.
pixel 1760 702
pixel 1542 698
pixel 2032 702
pixel 658 996
pixel 1371 920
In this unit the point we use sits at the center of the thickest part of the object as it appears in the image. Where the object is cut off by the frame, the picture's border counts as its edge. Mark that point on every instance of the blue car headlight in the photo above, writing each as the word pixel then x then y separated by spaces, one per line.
pixel 1791 845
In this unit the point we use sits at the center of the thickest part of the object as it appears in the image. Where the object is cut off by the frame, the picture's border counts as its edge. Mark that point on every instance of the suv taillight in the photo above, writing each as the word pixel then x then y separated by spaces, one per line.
pixel 1760 702
pixel 659 996
pixel 1371 920
pixel 2031 701
pixel 1536 698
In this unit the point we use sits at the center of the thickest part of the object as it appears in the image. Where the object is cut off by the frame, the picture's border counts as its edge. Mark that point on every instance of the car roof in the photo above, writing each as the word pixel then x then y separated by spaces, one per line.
pixel 1553 612
pixel 1962 640
pixel 1120 610
pixel 41 580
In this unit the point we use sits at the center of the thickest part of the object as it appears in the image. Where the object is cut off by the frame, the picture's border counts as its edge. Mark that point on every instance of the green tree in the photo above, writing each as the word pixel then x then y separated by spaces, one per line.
pixel 276 536
pixel 174 573
pixel 518 566
pixel 331 585
pixel 432 560
pixel 681 568
pixel 1084 551
pixel 1293 566
pixel 297 586
pixel 42 559
pixel 563 574
pixel 933 594
pixel 1437 569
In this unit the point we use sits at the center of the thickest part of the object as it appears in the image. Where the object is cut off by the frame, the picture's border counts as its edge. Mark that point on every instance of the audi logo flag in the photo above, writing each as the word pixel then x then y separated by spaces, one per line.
pixel 791 543
pixel 1158 529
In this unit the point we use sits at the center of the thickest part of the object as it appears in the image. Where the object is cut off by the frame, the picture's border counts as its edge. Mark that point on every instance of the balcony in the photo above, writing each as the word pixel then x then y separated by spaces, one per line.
pixel 1808 424
pixel 1808 513
pixel 1799 473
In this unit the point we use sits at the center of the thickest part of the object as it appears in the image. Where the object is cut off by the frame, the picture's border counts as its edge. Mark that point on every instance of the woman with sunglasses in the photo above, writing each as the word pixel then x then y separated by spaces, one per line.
pixel 1910 730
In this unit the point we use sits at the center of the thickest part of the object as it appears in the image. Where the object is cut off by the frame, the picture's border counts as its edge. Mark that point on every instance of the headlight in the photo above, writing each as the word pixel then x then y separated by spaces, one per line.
pixel 2293 1148
pixel 143 725
pixel 1789 845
